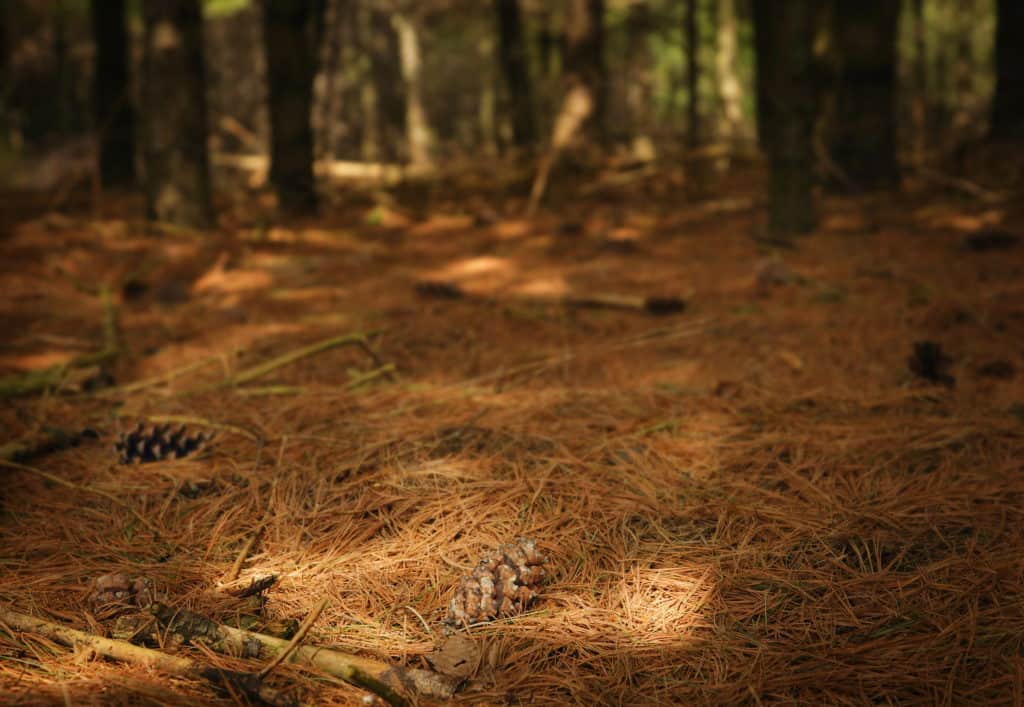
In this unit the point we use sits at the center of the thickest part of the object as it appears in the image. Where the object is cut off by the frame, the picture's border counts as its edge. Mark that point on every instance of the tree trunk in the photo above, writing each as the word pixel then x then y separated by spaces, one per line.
pixel 692 75
pixel 786 77
pixel 515 68
pixel 729 88
pixel 639 24
pixel 381 98
pixel 584 66
pixel 5 78
pixel 863 135
pixel 177 164
pixel 764 53
pixel 113 110
pixel 919 99
pixel 417 124
pixel 290 34
pixel 1008 102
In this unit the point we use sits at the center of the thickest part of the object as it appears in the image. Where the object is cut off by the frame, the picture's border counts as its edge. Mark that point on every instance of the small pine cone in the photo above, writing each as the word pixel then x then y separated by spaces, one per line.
pixel 120 589
pixel 157 443
pixel 505 583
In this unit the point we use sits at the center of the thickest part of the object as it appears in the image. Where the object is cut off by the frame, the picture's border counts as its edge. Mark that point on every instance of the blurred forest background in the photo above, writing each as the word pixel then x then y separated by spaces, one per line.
pixel 392 89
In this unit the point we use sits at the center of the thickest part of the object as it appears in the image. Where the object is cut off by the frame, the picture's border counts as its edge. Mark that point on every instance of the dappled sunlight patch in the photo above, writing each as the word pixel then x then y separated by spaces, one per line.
pixel 439 224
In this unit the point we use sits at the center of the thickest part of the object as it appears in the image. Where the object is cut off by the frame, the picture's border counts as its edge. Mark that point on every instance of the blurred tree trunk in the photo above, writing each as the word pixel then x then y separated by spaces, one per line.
pixel 487 106
pixel 919 100
pixel 112 99
pixel 290 33
pixel 964 69
pixel 5 78
pixel 764 52
pixel 639 24
pixel 516 70
pixel 1008 102
pixel 786 77
pixel 177 164
pixel 546 42
pixel 381 98
pixel 692 75
pixel 417 125
pixel 63 71
pixel 729 88
pixel 584 66
pixel 862 138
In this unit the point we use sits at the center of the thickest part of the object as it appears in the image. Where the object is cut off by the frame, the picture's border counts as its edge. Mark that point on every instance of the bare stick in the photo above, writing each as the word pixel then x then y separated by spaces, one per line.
pixel 137 655
pixel 236 568
pixel 386 681
pixel 357 339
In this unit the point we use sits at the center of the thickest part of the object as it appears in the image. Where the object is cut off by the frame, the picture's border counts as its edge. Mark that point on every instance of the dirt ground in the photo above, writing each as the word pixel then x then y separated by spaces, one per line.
pixel 753 500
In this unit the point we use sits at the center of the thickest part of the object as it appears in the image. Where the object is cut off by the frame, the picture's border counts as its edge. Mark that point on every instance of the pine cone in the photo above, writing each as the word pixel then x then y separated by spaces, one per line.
pixel 157 443
pixel 504 584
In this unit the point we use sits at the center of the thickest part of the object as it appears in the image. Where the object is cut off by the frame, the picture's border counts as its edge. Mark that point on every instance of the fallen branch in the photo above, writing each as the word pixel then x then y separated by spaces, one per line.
pixel 45 441
pixel 35 381
pixel 249 684
pixel 388 682
pixel 651 305
pixel 358 339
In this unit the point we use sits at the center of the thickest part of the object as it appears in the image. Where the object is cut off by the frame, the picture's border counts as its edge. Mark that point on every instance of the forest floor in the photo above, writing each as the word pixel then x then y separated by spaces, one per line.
pixel 756 499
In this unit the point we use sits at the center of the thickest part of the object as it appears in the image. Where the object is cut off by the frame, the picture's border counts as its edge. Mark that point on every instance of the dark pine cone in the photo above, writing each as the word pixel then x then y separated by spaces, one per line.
pixel 157 443
pixel 504 584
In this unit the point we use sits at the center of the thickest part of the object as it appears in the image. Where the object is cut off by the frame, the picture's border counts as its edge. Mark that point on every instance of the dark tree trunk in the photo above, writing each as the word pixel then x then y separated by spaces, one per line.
pixel 692 75
pixel 291 30
pixel 1008 102
pixel 514 66
pixel 764 54
pixel 113 110
pixel 785 76
pixel 862 139
pixel 177 164
pixel 639 25
pixel 584 58
pixel 384 99
pixel 5 77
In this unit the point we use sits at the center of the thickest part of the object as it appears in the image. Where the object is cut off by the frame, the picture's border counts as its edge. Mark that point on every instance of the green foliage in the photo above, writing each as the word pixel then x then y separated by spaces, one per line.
pixel 223 8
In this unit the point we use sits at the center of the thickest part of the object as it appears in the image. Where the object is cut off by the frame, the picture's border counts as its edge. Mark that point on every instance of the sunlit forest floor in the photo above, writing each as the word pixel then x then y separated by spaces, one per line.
pixel 755 499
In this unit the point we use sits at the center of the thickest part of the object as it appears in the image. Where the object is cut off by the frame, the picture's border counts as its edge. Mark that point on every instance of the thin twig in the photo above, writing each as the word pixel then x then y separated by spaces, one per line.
pixel 296 639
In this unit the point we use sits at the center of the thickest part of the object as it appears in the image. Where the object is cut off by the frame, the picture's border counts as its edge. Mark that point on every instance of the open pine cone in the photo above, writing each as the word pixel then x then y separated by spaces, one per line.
pixel 505 583
pixel 157 443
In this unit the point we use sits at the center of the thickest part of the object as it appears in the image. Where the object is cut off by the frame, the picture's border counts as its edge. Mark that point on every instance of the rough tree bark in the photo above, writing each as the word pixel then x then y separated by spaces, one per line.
pixel 174 100
pixel 862 138
pixel 639 25
pixel 113 109
pixel 692 75
pixel 419 135
pixel 290 32
pixel 785 75
pixel 514 66
pixel 1008 102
